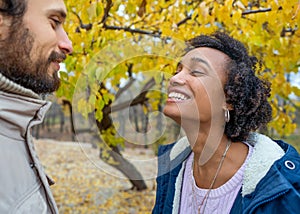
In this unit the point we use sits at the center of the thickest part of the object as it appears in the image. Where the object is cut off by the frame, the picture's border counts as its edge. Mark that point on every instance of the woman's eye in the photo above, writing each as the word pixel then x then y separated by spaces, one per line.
pixel 178 69
pixel 197 73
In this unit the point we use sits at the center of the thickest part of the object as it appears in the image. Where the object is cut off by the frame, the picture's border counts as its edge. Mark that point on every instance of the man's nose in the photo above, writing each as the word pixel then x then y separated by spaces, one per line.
pixel 64 43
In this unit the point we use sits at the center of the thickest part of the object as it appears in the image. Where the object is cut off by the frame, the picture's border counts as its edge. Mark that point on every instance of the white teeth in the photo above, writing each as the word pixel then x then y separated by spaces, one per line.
pixel 177 96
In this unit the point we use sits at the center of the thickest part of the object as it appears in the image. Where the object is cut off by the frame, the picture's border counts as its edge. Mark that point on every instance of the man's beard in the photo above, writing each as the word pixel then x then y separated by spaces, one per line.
pixel 17 65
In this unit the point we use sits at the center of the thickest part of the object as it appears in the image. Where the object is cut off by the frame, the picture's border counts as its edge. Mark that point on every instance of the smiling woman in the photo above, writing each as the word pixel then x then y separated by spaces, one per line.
pixel 222 165
pixel 199 78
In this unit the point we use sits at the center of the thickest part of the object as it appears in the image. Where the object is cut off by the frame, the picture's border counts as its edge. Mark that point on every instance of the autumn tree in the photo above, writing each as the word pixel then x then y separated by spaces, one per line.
pixel 116 42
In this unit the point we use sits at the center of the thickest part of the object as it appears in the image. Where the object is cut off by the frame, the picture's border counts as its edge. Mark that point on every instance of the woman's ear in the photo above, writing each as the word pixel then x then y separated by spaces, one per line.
pixel 227 106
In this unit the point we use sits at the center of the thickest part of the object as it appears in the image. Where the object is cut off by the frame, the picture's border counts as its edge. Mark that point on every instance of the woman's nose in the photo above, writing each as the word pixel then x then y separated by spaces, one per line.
pixel 178 79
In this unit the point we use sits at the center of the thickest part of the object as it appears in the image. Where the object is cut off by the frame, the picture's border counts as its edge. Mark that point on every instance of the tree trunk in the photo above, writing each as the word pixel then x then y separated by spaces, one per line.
pixel 124 166
pixel 127 169
pixel 69 105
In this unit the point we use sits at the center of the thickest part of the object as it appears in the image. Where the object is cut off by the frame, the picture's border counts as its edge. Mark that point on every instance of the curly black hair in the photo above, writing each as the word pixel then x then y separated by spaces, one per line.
pixel 244 91
pixel 14 8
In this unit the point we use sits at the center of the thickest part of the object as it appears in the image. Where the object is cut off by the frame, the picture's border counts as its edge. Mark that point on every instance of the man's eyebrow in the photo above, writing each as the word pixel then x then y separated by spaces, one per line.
pixel 60 12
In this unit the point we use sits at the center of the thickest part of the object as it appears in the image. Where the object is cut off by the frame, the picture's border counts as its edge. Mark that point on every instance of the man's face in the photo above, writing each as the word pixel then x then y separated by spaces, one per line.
pixel 34 49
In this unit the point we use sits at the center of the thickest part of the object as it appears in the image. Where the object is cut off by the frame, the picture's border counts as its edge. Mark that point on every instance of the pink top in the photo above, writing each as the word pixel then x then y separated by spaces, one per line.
pixel 219 201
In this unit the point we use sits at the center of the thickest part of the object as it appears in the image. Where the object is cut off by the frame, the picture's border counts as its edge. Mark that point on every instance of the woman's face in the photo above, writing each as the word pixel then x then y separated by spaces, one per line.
pixel 196 91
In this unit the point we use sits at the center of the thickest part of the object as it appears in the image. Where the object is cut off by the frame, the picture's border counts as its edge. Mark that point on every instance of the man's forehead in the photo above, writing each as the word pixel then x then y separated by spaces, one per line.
pixel 48 5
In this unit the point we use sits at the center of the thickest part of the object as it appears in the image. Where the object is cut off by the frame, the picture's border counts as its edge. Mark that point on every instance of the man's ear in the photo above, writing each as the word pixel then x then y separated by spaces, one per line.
pixel 1 26
pixel 1 19
pixel 5 23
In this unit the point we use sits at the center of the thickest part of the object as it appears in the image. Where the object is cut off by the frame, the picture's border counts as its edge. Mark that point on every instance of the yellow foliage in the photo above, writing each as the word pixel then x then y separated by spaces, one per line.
pixel 137 32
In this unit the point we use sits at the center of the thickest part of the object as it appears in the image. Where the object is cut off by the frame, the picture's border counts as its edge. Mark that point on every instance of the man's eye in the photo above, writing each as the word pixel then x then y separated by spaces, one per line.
pixel 55 22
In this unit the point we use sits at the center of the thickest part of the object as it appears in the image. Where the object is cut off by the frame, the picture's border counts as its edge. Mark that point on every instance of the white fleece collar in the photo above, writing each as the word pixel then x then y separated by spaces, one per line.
pixel 179 147
pixel 265 153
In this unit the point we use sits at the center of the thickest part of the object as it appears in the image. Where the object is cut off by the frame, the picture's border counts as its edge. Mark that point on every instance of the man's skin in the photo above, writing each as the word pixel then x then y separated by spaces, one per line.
pixel 33 53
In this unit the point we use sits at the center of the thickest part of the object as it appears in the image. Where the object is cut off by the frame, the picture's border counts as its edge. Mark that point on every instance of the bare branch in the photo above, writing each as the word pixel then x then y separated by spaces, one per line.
pixel 106 11
pixel 184 20
pixel 140 99
pixel 128 84
pixel 82 26
pixel 247 12
pixel 288 31
pixel 149 84
pixel 123 89
pixel 189 16
pixel 131 30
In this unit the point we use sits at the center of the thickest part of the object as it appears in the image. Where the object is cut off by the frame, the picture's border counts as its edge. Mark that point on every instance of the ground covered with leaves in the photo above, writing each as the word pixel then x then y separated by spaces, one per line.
pixel 85 184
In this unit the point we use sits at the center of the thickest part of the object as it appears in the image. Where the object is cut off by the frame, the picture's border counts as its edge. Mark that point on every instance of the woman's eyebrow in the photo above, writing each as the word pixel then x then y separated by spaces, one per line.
pixel 198 59
pixel 179 63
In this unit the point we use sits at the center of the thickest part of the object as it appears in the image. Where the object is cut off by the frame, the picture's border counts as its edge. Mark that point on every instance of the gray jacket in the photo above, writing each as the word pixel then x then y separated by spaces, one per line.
pixel 24 187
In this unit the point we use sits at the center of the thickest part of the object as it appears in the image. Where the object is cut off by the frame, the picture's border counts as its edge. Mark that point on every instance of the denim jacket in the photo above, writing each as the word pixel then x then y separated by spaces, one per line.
pixel 271 182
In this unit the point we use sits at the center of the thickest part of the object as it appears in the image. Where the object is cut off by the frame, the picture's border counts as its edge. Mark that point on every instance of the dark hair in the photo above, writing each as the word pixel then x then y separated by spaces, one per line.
pixel 244 91
pixel 14 8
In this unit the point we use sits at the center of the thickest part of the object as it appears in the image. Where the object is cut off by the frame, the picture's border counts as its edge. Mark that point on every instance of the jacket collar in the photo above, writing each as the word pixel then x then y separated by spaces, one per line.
pixel 181 145
pixel 281 179
pixel 19 106
pixel 9 86
pixel 265 153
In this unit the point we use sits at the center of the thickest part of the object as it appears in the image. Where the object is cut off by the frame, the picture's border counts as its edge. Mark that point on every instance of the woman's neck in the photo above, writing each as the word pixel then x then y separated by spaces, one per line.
pixel 208 154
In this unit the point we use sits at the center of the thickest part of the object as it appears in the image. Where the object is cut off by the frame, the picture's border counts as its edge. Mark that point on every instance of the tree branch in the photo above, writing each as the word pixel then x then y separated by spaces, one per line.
pixel 128 29
pixel 128 84
pixel 87 27
pixel 149 84
pixel 106 11
pixel 140 99
pixel 288 31
pixel 131 30
pixel 247 12
pixel 184 20
pixel 189 16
